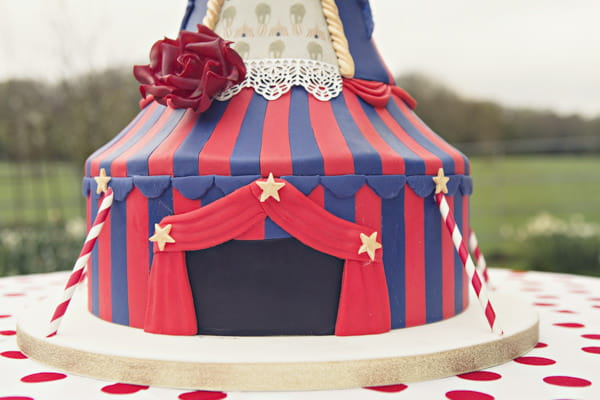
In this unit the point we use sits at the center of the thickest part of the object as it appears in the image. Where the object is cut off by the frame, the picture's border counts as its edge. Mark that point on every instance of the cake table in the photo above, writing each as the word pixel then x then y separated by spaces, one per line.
pixel 563 365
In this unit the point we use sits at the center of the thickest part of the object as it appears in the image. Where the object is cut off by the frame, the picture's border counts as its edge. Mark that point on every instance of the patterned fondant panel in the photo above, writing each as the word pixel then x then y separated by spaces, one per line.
pixel 263 29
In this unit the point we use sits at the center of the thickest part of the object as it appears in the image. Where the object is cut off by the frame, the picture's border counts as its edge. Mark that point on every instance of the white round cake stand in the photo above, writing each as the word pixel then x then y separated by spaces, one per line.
pixel 89 346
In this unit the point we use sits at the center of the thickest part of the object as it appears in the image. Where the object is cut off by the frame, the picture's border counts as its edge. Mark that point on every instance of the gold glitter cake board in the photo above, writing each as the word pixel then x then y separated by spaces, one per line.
pixel 89 346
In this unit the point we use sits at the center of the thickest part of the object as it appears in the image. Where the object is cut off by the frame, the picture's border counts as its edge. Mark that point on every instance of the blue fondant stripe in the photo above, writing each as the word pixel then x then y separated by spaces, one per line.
pixel 185 160
pixel 414 165
pixel 342 208
pixel 274 231
pixel 158 208
pixel 113 141
pixel 433 260
pixel 138 163
pixel 212 195
pixel 107 162
pixel 118 261
pixel 368 63
pixel 413 131
pixel 245 158
pixel 458 267
pixel 367 160
pixel 194 14
pixel 393 232
pixel 306 156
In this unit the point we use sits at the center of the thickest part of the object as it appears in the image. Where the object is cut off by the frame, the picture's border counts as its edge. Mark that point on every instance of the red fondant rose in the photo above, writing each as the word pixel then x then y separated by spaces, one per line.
pixel 190 71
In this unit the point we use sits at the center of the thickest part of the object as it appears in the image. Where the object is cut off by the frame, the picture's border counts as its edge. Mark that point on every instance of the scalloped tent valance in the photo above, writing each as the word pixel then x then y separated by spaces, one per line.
pixel 196 187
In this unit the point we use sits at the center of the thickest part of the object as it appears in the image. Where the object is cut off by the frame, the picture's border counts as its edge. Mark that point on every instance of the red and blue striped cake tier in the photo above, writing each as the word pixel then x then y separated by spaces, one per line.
pixel 371 166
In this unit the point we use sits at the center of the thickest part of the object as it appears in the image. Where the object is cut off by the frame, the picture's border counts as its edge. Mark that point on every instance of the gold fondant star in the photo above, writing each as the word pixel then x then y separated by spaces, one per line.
pixel 369 245
pixel 161 236
pixel 440 182
pixel 102 182
pixel 270 188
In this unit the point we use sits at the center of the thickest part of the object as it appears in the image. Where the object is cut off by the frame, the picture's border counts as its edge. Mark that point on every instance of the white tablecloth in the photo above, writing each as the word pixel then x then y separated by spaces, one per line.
pixel 564 365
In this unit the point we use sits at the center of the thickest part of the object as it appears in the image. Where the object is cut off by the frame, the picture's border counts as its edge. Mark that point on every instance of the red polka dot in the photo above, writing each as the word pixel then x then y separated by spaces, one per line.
pixel 5 316
pixel 547 296
pixel 591 336
pixel 579 291
pixel 594 299
pixel 16 398
pixel 534 361
pixel 388 389
pixel 43 377
pixel 16 355
pixel 544 304
pixel 123 388
pixel 14 294
pixel 202 395
pixel 8 333
pixel 540 345
pixel 531 289
pixel 565 311
pixel 467 395
pixel 480 376
pixel 518 272
pixel 570 325
pixel 591 349
pixel 567 381
pixel 596 306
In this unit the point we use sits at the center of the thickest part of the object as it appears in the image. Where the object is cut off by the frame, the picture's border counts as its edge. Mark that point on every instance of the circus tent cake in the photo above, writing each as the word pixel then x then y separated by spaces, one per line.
pixel 298 200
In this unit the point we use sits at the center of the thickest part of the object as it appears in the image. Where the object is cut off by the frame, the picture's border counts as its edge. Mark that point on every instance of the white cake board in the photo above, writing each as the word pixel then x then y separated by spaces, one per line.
pixel 89 346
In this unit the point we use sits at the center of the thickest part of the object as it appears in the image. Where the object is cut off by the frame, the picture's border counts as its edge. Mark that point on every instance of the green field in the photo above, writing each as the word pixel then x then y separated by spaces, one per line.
pixel 508 192
pixel 39 192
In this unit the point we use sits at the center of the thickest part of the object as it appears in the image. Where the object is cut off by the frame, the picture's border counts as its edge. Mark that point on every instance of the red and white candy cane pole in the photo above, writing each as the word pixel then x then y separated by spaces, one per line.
pixel 479 258
pixel 461 248
pixel 79 268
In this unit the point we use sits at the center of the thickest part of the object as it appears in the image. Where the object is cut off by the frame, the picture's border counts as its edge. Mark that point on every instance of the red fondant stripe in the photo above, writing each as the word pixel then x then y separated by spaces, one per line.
pixel 138 257
pixel 368 210
pixel 95 163
pixel 215 157
pixel 276 155
pixel 160 161
pixel 182 204
pixel 391 162
pixel 432 162
pixel 415 258
pixel 447 269
pixel 104 272
pixel 459 161
pixel 318 196
pixel 88 213
pixel 337 157
pixel 119 165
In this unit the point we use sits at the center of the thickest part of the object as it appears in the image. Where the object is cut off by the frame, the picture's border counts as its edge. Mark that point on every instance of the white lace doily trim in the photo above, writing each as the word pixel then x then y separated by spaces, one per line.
pixel 272 78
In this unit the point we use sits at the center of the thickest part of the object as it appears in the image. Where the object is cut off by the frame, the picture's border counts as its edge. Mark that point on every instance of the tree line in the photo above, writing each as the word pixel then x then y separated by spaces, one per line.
pixel 70 119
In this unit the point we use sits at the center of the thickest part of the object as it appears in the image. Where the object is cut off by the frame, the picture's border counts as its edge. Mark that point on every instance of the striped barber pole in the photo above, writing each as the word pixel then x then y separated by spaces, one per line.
pixel 479 258
pixel 78 273
pixel 473 275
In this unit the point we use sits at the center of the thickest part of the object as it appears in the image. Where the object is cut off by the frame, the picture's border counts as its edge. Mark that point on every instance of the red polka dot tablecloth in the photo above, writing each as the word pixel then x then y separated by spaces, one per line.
pixel 565 364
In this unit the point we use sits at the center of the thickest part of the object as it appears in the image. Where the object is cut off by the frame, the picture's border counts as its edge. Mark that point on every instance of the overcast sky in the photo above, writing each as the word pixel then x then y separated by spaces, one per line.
pixel 537 53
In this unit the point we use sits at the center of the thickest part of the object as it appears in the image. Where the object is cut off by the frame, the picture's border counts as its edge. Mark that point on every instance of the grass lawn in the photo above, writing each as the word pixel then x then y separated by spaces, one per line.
pixel 39 192
pixel 509 191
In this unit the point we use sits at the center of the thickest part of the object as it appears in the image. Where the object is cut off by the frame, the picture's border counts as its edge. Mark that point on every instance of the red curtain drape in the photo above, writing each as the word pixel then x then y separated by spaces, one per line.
pixel 364 302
